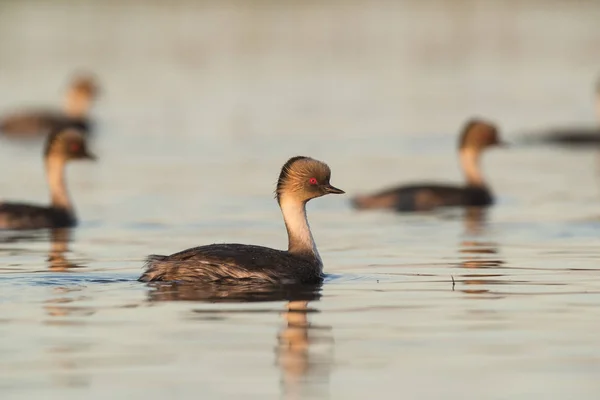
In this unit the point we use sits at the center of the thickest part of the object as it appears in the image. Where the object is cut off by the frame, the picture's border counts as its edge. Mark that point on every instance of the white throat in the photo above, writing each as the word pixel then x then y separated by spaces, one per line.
pixel 469 161
pixel 77 104
pixel 55 171
pixel 299 235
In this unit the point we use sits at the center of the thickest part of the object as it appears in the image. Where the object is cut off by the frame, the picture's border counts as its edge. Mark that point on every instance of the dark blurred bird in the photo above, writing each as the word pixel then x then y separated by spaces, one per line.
pixel 477 136
pixel 571 136
pixel 79 98
pixel 62 146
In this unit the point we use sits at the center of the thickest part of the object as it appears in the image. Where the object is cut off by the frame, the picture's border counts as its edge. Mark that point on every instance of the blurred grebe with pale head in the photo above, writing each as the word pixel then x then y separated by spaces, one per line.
pixel 62 146
pixel 477 136
pixel 79 98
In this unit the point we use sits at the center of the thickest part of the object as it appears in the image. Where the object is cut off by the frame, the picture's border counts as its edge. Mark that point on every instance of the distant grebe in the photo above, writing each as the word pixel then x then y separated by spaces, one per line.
pixel 571 136
pixel 301 180
pixel 78 100
pixel 477 135
pixel 62 146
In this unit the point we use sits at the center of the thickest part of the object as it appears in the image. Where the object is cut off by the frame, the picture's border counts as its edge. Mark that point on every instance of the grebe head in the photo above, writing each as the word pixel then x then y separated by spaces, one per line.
pixel 84 85
pixel 82 92
pixel 303 178
pixel 67 144
pixel 478 135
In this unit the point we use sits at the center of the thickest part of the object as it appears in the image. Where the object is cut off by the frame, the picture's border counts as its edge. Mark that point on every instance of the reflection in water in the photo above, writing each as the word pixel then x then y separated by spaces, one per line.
pixel 302 372
pixel 475 219
pixel 60 306
pixel 59 245
pixel 24 236
pixel 304 375
pixel 243 292
pixel 57 262
pixel 476 253
pixel 18 237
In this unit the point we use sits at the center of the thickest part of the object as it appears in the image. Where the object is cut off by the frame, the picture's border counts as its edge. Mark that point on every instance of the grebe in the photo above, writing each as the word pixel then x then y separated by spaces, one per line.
pixel 78 100
pixel 477 135
pixel 62 146
pixel 301 179
pixel 572 136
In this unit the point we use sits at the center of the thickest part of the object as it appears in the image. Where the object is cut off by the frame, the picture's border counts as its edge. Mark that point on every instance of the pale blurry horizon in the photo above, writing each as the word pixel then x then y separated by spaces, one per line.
pixel 286 68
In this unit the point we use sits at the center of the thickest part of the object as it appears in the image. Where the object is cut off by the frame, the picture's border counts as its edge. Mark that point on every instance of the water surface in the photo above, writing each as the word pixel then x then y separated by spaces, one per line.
pixel 203 103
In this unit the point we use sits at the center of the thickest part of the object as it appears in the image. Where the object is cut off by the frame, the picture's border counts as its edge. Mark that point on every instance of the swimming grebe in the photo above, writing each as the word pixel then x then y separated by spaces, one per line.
pixel 301 179
pixel 62 146
pixel 78 101
pixel 573 136
pixel 477 135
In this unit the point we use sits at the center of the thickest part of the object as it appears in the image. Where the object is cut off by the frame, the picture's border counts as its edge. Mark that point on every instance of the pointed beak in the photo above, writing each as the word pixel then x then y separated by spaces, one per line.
pixel 90 156
pixel 503 144
pixel 333 190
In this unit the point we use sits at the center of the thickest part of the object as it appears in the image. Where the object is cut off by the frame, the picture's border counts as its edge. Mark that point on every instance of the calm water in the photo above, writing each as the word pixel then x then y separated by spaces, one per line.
pixel 203 103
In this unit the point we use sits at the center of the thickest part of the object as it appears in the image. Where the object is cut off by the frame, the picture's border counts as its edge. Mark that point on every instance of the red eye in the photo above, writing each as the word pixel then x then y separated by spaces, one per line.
pixel 312 181
pixel 75 147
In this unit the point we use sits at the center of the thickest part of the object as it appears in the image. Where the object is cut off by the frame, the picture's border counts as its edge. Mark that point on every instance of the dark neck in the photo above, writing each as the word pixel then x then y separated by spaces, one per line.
pixel 55 172
pixel 300 239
